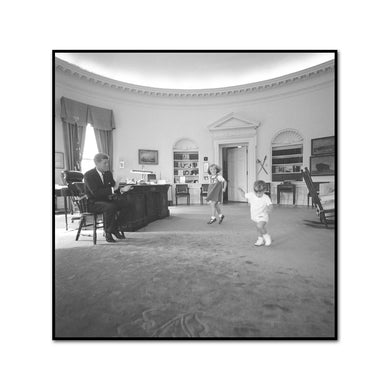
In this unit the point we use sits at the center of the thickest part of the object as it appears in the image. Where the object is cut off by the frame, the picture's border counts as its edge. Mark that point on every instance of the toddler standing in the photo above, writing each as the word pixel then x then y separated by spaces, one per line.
pixel 261 206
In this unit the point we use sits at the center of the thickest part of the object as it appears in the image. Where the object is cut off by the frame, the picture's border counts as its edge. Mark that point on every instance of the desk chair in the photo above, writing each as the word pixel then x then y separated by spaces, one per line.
pixel 322 209
pixel 72 177
pixel 182 190
pixel 268 189
pixel 69 177
pixel 203 191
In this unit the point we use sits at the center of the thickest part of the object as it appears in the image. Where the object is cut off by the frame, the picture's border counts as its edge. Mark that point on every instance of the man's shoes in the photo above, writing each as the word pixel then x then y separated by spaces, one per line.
pixel 119 235
pixel 212 220
pixel 221 219
pixel 109 237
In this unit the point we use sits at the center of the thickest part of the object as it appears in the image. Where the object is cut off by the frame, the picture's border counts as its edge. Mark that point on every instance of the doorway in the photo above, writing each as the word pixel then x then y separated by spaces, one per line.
pixel 235 170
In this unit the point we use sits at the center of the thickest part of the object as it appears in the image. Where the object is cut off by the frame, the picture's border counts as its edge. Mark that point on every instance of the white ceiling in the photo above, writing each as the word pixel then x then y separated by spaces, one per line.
pixel 193 70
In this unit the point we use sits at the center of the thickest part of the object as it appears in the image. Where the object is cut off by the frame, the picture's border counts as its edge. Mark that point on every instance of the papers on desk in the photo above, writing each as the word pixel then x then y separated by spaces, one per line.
pixel 126 188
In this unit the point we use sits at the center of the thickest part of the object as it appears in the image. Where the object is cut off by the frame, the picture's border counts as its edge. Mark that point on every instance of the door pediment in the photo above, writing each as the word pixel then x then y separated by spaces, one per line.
pixel 232 122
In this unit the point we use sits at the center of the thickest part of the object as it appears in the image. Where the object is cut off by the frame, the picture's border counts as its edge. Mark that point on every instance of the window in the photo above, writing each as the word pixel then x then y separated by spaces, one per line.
pixel 90 150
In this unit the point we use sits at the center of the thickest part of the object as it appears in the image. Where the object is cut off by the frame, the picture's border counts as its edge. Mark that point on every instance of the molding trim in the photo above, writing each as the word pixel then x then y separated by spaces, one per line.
pixel 286 137
pixel 230 130
pixel 185 144
pixel 292 78
pixel 232 121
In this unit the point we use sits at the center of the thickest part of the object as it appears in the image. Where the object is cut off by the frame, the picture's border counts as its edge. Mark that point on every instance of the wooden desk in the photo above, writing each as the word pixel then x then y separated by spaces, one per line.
pixel 63 191
pixel 286 188
pixel 143 204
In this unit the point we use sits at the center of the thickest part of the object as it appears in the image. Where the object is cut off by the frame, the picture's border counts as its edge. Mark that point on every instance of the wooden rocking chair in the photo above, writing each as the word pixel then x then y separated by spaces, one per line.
pixel 324 212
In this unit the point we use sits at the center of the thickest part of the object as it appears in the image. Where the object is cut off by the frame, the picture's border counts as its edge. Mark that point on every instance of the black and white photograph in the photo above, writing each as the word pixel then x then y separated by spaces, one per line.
pixel 250 256
pixel 230 257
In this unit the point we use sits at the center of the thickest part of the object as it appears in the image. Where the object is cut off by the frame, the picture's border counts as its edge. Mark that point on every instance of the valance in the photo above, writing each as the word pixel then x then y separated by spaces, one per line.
pixel 74 112
pixel 101 118
pixel 82 114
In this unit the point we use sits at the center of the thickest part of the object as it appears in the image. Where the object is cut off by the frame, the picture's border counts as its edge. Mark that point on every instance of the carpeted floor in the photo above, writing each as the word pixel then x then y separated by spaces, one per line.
pixel 179 277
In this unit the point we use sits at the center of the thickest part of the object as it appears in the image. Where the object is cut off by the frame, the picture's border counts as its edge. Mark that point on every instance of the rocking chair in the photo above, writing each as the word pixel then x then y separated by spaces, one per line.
pixel 322 209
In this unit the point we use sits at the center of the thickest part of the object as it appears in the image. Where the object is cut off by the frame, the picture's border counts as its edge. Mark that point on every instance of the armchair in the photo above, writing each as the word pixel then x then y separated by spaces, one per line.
pixel 182 190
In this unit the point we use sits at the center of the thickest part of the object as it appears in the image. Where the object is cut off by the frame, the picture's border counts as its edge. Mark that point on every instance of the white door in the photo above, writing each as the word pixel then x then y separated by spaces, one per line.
pixel 237 163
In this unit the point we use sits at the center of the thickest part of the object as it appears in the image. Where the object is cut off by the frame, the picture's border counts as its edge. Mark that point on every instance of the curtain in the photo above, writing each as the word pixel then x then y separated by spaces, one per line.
pixel 75 117
pixel 101 118
pixel 74 137
pixel 104 142
pixel 74 112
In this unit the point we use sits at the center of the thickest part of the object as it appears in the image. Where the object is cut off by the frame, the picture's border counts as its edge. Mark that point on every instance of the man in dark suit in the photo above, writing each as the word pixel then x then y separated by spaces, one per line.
pixel 100 186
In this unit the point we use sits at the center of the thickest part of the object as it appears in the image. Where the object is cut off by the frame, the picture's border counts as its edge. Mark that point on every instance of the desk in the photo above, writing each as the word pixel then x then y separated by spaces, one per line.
pixel 142 205
pixel 63 191
pixel 286 188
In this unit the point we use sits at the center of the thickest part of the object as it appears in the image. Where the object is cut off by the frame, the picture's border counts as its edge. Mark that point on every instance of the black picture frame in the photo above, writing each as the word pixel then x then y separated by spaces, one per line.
pixel 121 322
pixel 147 157
pixel 323 146
pixel 322 165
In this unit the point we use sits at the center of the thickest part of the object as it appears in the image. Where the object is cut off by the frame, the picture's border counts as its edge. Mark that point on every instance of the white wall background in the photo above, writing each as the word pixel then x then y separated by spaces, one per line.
pixel 150 122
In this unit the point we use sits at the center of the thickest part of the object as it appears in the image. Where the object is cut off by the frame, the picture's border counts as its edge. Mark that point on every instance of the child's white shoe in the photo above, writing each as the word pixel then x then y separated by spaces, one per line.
pixel 267 239
pixel 259 241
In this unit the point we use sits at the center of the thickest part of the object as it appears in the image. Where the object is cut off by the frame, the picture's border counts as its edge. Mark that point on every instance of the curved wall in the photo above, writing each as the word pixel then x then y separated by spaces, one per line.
pixel 154 119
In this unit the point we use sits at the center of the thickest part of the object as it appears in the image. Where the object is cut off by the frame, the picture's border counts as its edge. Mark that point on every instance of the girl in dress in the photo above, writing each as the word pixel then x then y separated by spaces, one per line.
pixel 215 192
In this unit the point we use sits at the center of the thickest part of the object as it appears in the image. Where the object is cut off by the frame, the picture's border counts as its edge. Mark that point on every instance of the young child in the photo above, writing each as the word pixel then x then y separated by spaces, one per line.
pixel 215 192
pixel 261 206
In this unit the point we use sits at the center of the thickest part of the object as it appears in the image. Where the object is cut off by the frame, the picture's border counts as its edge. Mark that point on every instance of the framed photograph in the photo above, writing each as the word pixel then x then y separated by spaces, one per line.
pixel 147 157
pixel 59 160
pixel 322 165
pixel 321 146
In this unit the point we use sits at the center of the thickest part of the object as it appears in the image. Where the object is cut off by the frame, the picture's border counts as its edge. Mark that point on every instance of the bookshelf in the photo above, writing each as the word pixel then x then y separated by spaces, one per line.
pixel 287 162
pixel 186 166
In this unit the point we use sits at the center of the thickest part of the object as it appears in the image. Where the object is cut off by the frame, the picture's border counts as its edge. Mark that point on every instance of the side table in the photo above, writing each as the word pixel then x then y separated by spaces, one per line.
pixel 286 188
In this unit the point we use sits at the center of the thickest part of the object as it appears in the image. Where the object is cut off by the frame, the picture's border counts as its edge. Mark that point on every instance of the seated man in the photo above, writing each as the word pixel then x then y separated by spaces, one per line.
pixel 100 185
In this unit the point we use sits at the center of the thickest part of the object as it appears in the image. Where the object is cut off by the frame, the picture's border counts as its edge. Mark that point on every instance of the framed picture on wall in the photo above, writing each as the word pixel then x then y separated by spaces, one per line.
pixel 322 165
pixel 59 160
pixel 321 146
pixel 146 157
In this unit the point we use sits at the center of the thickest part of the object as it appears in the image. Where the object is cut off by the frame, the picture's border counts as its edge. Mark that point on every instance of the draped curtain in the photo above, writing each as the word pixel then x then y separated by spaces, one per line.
pixel 104 143
pixel 75 117
pixel 74 137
